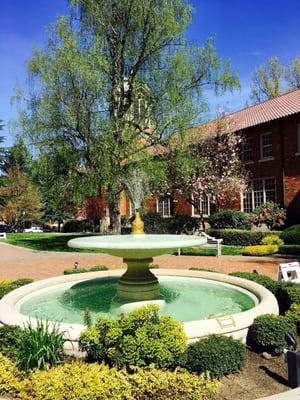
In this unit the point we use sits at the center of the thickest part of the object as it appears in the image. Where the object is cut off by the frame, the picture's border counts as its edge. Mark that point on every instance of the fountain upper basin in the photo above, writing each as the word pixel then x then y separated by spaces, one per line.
pixel 137 246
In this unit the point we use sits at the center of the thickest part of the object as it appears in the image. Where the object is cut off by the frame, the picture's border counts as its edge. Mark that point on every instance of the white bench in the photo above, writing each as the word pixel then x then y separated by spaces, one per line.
pixel 2 235
pixel 289 272
pixel 211 242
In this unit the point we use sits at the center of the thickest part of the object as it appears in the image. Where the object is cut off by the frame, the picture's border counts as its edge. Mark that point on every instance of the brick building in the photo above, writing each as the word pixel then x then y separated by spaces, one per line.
pixel 271 154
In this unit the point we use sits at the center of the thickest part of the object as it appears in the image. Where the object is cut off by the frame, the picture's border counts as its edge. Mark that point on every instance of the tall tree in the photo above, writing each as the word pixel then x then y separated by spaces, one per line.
pixel 17 157
pixel 2 157
pixel 293 74
pixel 22 200
pixel 267 81
pixel 114 84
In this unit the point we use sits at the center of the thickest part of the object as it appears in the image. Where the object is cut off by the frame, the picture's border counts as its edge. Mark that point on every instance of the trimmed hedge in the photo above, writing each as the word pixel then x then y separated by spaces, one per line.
pixel 239 237
pixel 154 223
pixel 267 333
pixel 263 280
pixel 218 354
pixel 73 225
pixel 291 235
pixel 7 285
pixel 260 250
pixel 82 270
pixel 287 294
pixel 294 314
pixel 291 249
pixel 182 224
pixel 232 219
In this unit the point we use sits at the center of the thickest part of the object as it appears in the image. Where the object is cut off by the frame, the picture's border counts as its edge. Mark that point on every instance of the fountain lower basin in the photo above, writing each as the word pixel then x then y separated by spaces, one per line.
pixel 234 324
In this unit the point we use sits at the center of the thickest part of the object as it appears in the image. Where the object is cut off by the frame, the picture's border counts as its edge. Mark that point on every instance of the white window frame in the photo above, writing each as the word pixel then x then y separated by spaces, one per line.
pixel 164 198
pixel 194 214
pixel 262 157
pixel 248 140
pixel 251 190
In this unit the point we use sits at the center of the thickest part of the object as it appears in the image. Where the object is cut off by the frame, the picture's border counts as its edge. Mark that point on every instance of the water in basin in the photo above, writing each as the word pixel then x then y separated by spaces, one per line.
pixel 187 299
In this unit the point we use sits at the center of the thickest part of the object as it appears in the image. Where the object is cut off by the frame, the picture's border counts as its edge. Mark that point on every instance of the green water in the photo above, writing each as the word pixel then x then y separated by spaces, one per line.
pixel 187 299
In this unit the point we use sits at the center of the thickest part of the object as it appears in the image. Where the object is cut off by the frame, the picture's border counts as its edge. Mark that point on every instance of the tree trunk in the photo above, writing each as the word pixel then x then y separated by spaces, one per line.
pixel 115 217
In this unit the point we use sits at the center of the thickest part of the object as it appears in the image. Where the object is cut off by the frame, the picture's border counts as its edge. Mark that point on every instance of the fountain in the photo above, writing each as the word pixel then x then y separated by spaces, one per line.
pixel 65 298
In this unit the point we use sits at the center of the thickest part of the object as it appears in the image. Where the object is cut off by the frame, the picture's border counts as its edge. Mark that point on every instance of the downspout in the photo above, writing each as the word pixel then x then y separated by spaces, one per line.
pixel 281 133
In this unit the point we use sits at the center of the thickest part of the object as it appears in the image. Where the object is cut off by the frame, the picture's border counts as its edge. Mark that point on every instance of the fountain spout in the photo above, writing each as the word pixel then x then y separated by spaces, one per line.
pixel 137 225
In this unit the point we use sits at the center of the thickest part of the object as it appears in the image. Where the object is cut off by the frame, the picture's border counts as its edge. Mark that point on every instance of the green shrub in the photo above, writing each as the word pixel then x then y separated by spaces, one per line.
pixel 238 237
pixel 82 381
pixel 294 314
pixel 10 336
pixel 260 250
pixel 270 214
pixel 98 268
pixel 7 285
pixel 40 347
pixel 272 240
pixel 291 249
pixel 229 219
pixel 75 271
pixel 154 223
pixel 218 354
pixel 287 294
pixel 74 225
pixel 267 333
pixel 263 280
pixel 291 235
pixel 182 224
pixel 140 338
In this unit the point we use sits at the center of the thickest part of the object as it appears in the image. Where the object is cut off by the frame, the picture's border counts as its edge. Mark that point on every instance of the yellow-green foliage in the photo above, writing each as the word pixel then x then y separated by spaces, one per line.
pixel 81 381
pixel 154 384
pixel 273 240
pixel 10 377
pixel 141 338
pixel 260 250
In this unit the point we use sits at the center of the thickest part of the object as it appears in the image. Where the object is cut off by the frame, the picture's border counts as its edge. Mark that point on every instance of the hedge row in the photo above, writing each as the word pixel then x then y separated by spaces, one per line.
pixel 290 249
pixel 239 237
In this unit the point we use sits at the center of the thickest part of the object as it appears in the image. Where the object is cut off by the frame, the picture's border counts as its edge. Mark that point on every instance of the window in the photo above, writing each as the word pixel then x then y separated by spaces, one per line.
pixel 164 206
pixel 247 150
pixel 266 146
pixel 204 206
pixel 298 138
pixel 259 192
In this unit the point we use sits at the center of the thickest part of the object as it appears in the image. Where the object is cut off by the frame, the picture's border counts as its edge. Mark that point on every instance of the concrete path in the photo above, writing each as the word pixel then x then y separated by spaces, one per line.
pixel 18 262
pixel 289 395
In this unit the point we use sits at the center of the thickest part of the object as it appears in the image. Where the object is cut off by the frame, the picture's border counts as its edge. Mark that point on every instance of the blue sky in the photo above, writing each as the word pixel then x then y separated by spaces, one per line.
pixel 246 32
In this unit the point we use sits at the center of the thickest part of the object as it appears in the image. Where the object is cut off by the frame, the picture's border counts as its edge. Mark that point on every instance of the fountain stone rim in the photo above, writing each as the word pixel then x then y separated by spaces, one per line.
pixel 235 325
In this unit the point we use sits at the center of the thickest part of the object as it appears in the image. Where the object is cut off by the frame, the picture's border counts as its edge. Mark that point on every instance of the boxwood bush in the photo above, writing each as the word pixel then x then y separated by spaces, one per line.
pixel 73 225
pixel 291 249
pixel 233 219
pixel 154 223
pixel 140 338
pixel 287 294
pixel 7 285
pixel 267 333
pixel 218 354
pixel 182 224
pixel 263 280
pixel 238 237
pixel 294 314
pixel 291 235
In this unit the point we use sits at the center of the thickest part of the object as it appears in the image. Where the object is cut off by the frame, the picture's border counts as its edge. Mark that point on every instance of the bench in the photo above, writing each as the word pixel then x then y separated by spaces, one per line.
pixel 289 272
pixel 2 235
pixel 211 242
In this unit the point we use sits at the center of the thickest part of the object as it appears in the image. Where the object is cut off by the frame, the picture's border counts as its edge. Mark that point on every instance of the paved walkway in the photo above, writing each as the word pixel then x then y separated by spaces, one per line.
pixel 18 262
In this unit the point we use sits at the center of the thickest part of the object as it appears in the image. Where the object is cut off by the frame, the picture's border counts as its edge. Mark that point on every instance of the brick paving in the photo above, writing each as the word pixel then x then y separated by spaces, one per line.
pixel 18 262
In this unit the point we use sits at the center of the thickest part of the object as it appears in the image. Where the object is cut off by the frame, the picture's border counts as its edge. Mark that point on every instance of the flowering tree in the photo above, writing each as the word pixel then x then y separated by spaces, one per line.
pixel 210 166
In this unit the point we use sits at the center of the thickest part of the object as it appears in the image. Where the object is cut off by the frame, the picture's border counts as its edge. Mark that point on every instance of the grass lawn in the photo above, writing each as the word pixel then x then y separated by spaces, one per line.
pixel 46 241
pixel 226 251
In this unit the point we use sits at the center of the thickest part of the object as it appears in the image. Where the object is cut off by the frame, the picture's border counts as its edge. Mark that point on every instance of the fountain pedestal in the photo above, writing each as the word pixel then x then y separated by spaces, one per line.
pixel 138 283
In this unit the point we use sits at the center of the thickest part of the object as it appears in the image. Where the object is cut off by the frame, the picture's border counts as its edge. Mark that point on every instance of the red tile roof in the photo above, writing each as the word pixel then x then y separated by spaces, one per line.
pixel 279 107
